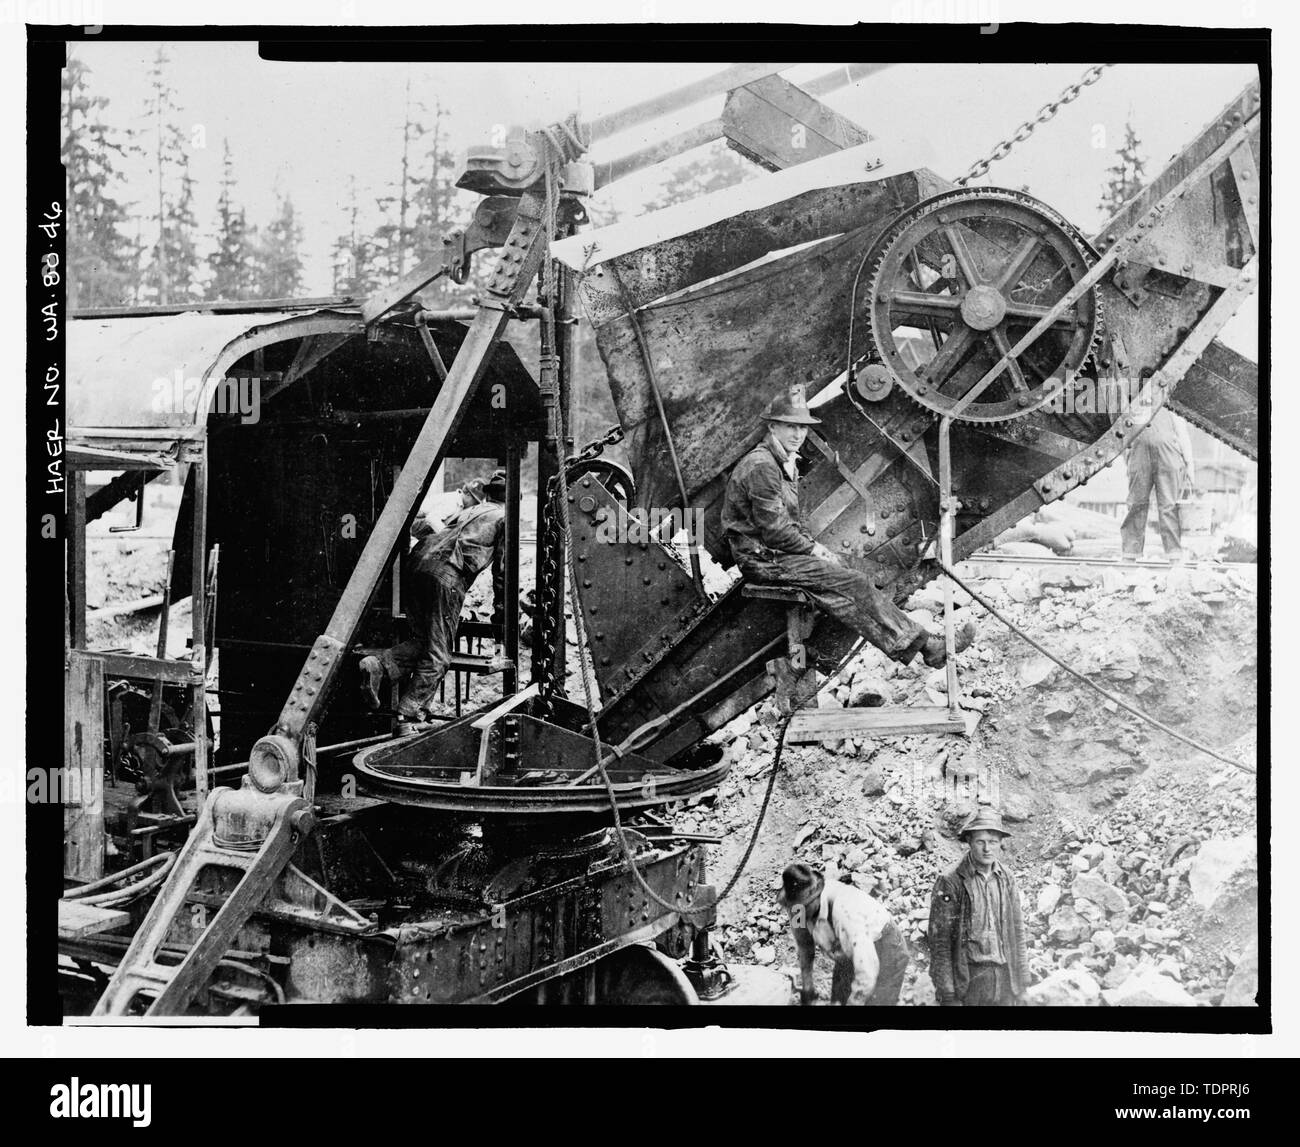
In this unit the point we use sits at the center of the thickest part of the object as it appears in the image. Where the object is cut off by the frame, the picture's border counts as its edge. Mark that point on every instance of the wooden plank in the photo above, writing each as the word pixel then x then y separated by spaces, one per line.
pixel 77 558
pixel 81 787
pixel 884 721
pixel 509 705
pixel 77 920
pixel 776 124
pixel 144 668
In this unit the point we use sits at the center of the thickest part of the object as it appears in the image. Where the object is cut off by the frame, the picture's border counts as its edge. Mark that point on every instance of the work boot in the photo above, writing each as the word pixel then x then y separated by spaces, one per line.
pixel 372 676
pixel 935 652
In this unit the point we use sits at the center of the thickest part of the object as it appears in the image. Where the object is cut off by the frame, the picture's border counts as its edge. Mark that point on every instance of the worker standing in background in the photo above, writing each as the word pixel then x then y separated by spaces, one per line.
pixel 1159 458
pixel 772 546
pixel 977 930
pixel 441 570
pixel 854 929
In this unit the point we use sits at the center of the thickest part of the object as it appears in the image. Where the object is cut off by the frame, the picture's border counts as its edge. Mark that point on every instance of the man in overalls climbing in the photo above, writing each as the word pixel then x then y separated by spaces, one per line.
pixel 442 568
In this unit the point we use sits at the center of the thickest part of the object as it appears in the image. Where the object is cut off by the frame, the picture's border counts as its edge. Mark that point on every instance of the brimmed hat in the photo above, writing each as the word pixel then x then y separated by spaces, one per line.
pixel 789 408
pixel 984 819
pixel 495 486
pixel 801 884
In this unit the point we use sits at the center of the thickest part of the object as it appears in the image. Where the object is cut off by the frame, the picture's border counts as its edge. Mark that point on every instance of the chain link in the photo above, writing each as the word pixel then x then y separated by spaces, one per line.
pixel 595 448
pixel 1042 116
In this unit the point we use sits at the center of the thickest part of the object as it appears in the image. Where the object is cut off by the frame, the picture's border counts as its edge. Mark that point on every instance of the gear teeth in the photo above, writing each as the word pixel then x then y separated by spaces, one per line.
pixel 910 216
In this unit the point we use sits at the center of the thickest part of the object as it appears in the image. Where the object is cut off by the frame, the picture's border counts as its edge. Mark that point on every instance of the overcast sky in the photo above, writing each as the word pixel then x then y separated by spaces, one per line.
pixel 308 127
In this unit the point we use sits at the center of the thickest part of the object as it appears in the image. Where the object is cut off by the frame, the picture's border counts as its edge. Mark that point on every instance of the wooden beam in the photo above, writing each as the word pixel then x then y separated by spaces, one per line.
pixel 885 721
pixel 144 668
pixel 77 558
pixel 81 788
pixel 77 920
pixel 715 85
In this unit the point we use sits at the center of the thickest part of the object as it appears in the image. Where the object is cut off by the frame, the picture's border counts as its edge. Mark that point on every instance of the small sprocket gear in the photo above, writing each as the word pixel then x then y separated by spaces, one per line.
pixel 959 279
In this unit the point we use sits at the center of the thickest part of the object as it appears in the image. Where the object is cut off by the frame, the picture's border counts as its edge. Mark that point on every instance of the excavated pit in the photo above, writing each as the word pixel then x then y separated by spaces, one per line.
pixel 1086 789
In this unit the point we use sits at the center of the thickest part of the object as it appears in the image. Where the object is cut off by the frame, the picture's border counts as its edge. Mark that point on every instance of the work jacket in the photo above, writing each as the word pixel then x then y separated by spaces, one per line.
pixel 465 546
pixel 950 929
pixel 760 511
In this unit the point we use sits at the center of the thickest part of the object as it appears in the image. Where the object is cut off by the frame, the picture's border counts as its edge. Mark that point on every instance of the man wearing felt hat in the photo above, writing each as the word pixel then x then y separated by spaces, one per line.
pixel 854 929
pixel 977 931
pixel 772 545
pixel 440 571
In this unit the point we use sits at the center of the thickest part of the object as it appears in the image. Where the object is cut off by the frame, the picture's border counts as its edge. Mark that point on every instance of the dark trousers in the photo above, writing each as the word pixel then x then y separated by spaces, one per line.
pixel 990 986
pixel 847 595
pixel 891 951
pixel 433 612
pixel 1160 468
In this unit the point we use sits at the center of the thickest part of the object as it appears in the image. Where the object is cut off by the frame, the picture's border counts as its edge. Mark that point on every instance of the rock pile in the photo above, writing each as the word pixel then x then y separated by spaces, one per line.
pixel 1133 853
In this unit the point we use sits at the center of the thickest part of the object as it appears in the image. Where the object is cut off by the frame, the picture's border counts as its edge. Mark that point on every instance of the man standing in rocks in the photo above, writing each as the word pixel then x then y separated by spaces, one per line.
pixel 854 929
pixel 977 932
pixel 772 546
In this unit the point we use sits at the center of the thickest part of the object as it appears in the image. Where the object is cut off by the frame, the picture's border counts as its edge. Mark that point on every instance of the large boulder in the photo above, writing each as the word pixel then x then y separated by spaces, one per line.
pixel 1094 914
pixel 1244 982
pixel 1038 672
pixel 1104 940
pixel 1049 896
pixel 869 690
pixel 1066 988
pixel 1217 864
pixel 1089 887
pixel 873 781
pixel 1067 927
pixel 1147 988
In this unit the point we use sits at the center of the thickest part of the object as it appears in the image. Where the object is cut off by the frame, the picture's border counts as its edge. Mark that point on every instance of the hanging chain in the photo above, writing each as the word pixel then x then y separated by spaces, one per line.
pixel 1026 129
pixel 595 448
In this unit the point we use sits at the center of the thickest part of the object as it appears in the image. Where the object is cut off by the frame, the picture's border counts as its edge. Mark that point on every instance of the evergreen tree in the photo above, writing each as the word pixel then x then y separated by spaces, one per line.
pixel 396 238
pixel 421 206
pixel 1124 178
pixel 173 263
pixel 231 263
pixel 716 168
pixel 102 259
pixel 440 208
pixel 353 256
pixel 278 263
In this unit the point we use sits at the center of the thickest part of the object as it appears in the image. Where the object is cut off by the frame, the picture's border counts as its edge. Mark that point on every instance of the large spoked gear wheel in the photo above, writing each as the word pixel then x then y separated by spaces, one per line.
pixel 959 279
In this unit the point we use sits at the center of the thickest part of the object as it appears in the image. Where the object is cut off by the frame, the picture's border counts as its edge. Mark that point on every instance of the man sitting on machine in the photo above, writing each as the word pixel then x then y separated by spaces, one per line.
pixel 772 545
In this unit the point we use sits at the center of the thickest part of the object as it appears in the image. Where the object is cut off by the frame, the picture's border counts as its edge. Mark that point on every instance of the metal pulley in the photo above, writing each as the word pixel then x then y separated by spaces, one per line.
pixel 873 382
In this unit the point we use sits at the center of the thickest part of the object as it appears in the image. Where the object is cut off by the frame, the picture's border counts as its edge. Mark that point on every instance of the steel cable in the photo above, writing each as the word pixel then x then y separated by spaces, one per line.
pixel 1092 684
